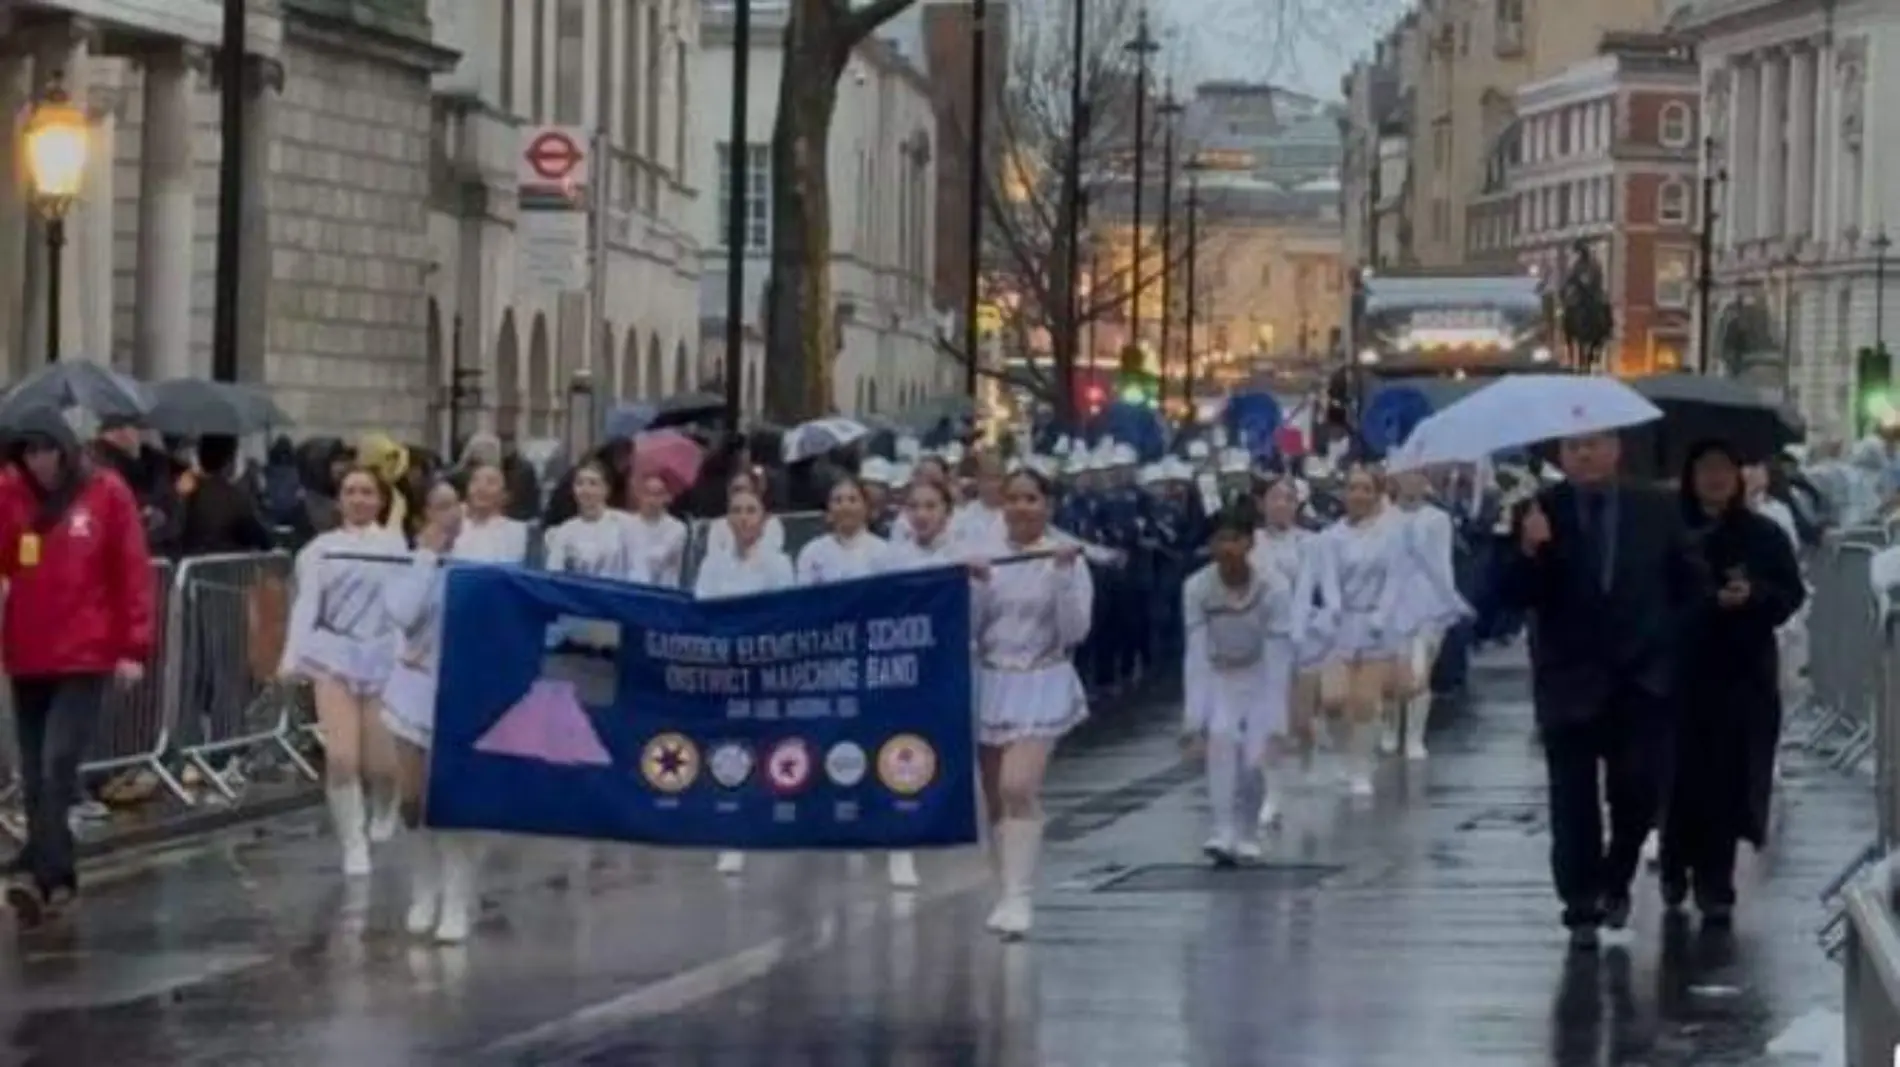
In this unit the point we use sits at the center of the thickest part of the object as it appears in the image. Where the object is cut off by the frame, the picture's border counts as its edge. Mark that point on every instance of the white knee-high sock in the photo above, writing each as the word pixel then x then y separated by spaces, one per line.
pixel 1252 791
pixel 1223 774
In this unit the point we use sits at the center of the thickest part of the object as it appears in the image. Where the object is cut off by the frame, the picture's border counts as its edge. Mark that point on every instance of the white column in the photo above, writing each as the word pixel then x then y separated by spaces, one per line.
pixel 1826 142
pixel 265 82
pixel 167 210
pixel 61 54
pixel 15 93
pixel 1768 154
pixel 1800 211
pixel 90 287
pixel 1743 163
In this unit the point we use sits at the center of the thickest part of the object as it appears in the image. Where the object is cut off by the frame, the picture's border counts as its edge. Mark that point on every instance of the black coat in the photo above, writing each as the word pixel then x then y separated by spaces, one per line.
pixel 1730 689
pixel 1586 643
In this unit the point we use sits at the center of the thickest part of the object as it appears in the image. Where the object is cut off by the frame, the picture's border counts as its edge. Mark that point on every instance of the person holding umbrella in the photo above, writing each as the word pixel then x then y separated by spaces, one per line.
pixel 78 620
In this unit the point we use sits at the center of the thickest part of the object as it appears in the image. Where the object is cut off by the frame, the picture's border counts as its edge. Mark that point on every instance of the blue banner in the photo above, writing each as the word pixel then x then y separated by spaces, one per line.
pixel 833 717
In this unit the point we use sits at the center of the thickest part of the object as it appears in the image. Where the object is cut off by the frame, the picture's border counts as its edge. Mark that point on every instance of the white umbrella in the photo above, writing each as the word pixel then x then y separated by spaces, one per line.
pixel 1520 410
pixel 819 436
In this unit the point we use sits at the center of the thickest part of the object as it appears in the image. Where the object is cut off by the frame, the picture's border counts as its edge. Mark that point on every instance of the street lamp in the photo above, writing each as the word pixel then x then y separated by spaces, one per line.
pixel 1170 111
pixel 1880 245
pixel 1705 252
pixel 58 139
pixel 1143 46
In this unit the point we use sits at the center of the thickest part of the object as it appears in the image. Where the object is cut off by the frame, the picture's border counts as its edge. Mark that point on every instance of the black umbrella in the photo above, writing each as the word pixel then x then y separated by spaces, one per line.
pixel 683 408
pixel 1698 407
pixel 194 407
pixel 80 384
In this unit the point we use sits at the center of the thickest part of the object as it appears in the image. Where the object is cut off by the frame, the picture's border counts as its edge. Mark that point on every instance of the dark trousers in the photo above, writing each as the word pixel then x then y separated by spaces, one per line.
pixel 53 718
pixel 1698 856
pixel 1623 751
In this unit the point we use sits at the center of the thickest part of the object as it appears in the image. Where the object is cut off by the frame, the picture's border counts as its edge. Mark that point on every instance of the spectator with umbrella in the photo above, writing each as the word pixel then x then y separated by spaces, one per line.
pixel 78 619
pixel 148 472
pixel 220 516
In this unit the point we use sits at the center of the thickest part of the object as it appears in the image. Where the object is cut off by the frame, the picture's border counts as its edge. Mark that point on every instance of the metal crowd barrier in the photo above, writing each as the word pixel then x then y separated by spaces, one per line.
pixel 209 688
pixel 1839 716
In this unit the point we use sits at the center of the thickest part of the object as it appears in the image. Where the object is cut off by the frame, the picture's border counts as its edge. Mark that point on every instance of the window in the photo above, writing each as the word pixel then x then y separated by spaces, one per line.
pixel 1675 125
pixel 570 61
pixel 1672 278
pixel 758 195
pixel 1672 202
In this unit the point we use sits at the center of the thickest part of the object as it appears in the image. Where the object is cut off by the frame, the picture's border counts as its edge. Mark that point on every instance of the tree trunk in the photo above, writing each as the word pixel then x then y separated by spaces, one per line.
pixel 801 340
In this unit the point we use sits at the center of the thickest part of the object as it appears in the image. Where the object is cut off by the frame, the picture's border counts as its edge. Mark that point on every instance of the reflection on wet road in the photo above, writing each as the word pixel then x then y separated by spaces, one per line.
pixel 1417 930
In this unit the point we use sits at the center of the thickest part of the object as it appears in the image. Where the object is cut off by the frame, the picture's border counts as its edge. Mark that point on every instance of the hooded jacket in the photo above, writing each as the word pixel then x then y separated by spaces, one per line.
pixel 80 589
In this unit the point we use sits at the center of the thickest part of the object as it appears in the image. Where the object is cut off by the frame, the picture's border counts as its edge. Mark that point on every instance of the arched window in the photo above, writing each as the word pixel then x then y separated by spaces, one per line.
pixel 440 396
pixel 629 383
pixel 540 377
pixel 656 370
pixel 683 379
pixel 507 384
pixel 1675 126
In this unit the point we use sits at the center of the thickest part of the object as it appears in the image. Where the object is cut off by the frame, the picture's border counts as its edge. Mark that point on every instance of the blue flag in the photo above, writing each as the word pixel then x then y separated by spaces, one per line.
pixel 833 717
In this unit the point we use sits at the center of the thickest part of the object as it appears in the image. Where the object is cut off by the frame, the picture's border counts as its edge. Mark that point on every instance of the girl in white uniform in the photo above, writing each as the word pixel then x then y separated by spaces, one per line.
pixel 747 565
pixel 1365 647
pixel 981 522
pixel 1293 555
pixel 342 640
pixel 848 550
pixel 443 866
pixel 1425 605
pixel 1030 616
pixel 1237 672
pixel 656 539
pixel 597 541
pixel 719 536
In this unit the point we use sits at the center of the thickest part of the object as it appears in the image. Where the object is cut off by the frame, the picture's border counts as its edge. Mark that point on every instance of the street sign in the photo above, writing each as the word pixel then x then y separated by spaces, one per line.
pixel 553 158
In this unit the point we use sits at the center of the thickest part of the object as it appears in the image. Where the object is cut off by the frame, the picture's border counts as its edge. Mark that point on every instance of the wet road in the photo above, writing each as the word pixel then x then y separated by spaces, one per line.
pixel 1418 929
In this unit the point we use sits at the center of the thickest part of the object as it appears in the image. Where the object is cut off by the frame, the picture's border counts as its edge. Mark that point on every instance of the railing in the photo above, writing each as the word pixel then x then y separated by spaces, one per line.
pixel 209 688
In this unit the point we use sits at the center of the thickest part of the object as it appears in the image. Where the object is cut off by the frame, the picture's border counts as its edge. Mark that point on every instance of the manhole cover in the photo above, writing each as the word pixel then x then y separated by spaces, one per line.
pixel 1204 878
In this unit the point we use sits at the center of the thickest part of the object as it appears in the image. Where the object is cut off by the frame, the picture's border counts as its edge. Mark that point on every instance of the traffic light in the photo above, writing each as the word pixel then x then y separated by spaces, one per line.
pixel 1873 386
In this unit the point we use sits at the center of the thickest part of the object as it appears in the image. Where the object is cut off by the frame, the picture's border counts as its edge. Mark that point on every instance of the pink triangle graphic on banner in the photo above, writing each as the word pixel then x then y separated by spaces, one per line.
pixel 547 725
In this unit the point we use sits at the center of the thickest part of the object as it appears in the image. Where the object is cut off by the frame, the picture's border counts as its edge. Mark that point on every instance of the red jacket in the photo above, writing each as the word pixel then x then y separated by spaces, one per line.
pixel 86 602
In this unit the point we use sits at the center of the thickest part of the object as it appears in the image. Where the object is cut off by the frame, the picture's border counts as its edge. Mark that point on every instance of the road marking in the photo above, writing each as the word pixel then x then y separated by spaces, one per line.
pixel 729 972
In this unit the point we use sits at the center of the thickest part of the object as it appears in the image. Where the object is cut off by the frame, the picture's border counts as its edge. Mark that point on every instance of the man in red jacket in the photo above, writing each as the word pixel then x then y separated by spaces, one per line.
pixel 78 620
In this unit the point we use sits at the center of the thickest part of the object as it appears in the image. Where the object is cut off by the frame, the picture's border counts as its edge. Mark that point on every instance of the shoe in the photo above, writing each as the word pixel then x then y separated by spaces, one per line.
pixel 1220 850
pixel 1269 814
pixel 1021 847
pixel 731 863
pixel 1417 714
pixel 903 870
pixel 385 823
pixel 356 861
pixel 1388 737
pixel 1652 850
pixel 425 886
pixel 1616 912
pixel 1584 938
pixel 346 811
pixel 1717 916
pixel 1248 850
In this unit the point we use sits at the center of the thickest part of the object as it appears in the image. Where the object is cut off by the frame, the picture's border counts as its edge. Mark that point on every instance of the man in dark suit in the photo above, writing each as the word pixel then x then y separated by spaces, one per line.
pixel 1604 570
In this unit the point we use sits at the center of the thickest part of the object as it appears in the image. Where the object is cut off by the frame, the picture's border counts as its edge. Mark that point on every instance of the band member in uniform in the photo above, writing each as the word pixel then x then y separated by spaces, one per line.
pixel 1365 647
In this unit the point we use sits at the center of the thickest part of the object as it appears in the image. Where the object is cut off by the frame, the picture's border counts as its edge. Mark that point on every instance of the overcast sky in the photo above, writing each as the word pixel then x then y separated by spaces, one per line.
pixel 1302 44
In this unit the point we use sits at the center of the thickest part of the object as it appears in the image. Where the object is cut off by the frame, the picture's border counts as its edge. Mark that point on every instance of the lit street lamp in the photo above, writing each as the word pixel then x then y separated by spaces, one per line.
pixel 58 139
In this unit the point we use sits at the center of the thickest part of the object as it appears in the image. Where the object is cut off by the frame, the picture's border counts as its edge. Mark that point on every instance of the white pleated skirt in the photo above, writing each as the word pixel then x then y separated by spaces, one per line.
pixel 1040 703
pixel 1250 705
pixel 363 666
pixel 409 705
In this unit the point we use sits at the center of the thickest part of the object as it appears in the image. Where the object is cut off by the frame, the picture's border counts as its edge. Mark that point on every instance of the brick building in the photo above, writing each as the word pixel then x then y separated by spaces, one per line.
pixel 1606 153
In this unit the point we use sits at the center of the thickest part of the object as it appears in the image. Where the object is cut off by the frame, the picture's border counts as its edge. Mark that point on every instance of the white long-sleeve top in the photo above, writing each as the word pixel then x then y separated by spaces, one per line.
pixel 1294 558
pixel 1031 614
pixel 1227 632
pixel 719 536
pixel 726 573
pixel 413 595
pixel 497 538
pixel 1364 570
pixel 599 548
pixel 341 596
pixel 832 558
pixel 1422 546
pixel 914 555
pixel 658 547
pixel 977 524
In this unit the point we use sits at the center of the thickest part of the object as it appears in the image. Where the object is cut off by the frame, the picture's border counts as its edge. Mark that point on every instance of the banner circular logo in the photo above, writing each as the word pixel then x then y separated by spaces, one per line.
pixel 670 762
pixel 906 764
pixel 789 766
pixel 846 764
pixel 731 764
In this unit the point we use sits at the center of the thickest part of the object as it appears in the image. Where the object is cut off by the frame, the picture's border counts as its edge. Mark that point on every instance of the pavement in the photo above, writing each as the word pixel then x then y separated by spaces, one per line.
pixel 1418 928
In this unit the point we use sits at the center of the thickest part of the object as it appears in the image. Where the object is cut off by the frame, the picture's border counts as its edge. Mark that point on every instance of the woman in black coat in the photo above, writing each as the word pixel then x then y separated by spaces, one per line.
pixel 1728 685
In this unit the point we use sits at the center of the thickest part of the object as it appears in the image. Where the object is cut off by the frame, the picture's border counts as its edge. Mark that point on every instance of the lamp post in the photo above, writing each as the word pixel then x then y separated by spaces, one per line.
pixel 580 411
pixel 1072 204
pixel 1705 254
pixel 1194 168
pixel 738 147
pixel 978 174
pixel 1880 245
pixel 1170 110
pixel 58 139
pixel 1143 46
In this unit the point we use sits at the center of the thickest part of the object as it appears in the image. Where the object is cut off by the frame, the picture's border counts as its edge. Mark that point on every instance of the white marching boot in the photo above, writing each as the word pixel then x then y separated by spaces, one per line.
pixel 1418 712
pixel 1268 818
pixel 385 819
pixel 903 870
pixel 425 884
pixel 346 811
pixel 461 860
pixel 1389 729
pixel 731 863
pixel 1362 760
pixel 1020 846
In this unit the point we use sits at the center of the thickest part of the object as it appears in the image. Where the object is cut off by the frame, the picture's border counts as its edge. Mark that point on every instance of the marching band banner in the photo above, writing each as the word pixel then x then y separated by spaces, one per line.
pixel 830 717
